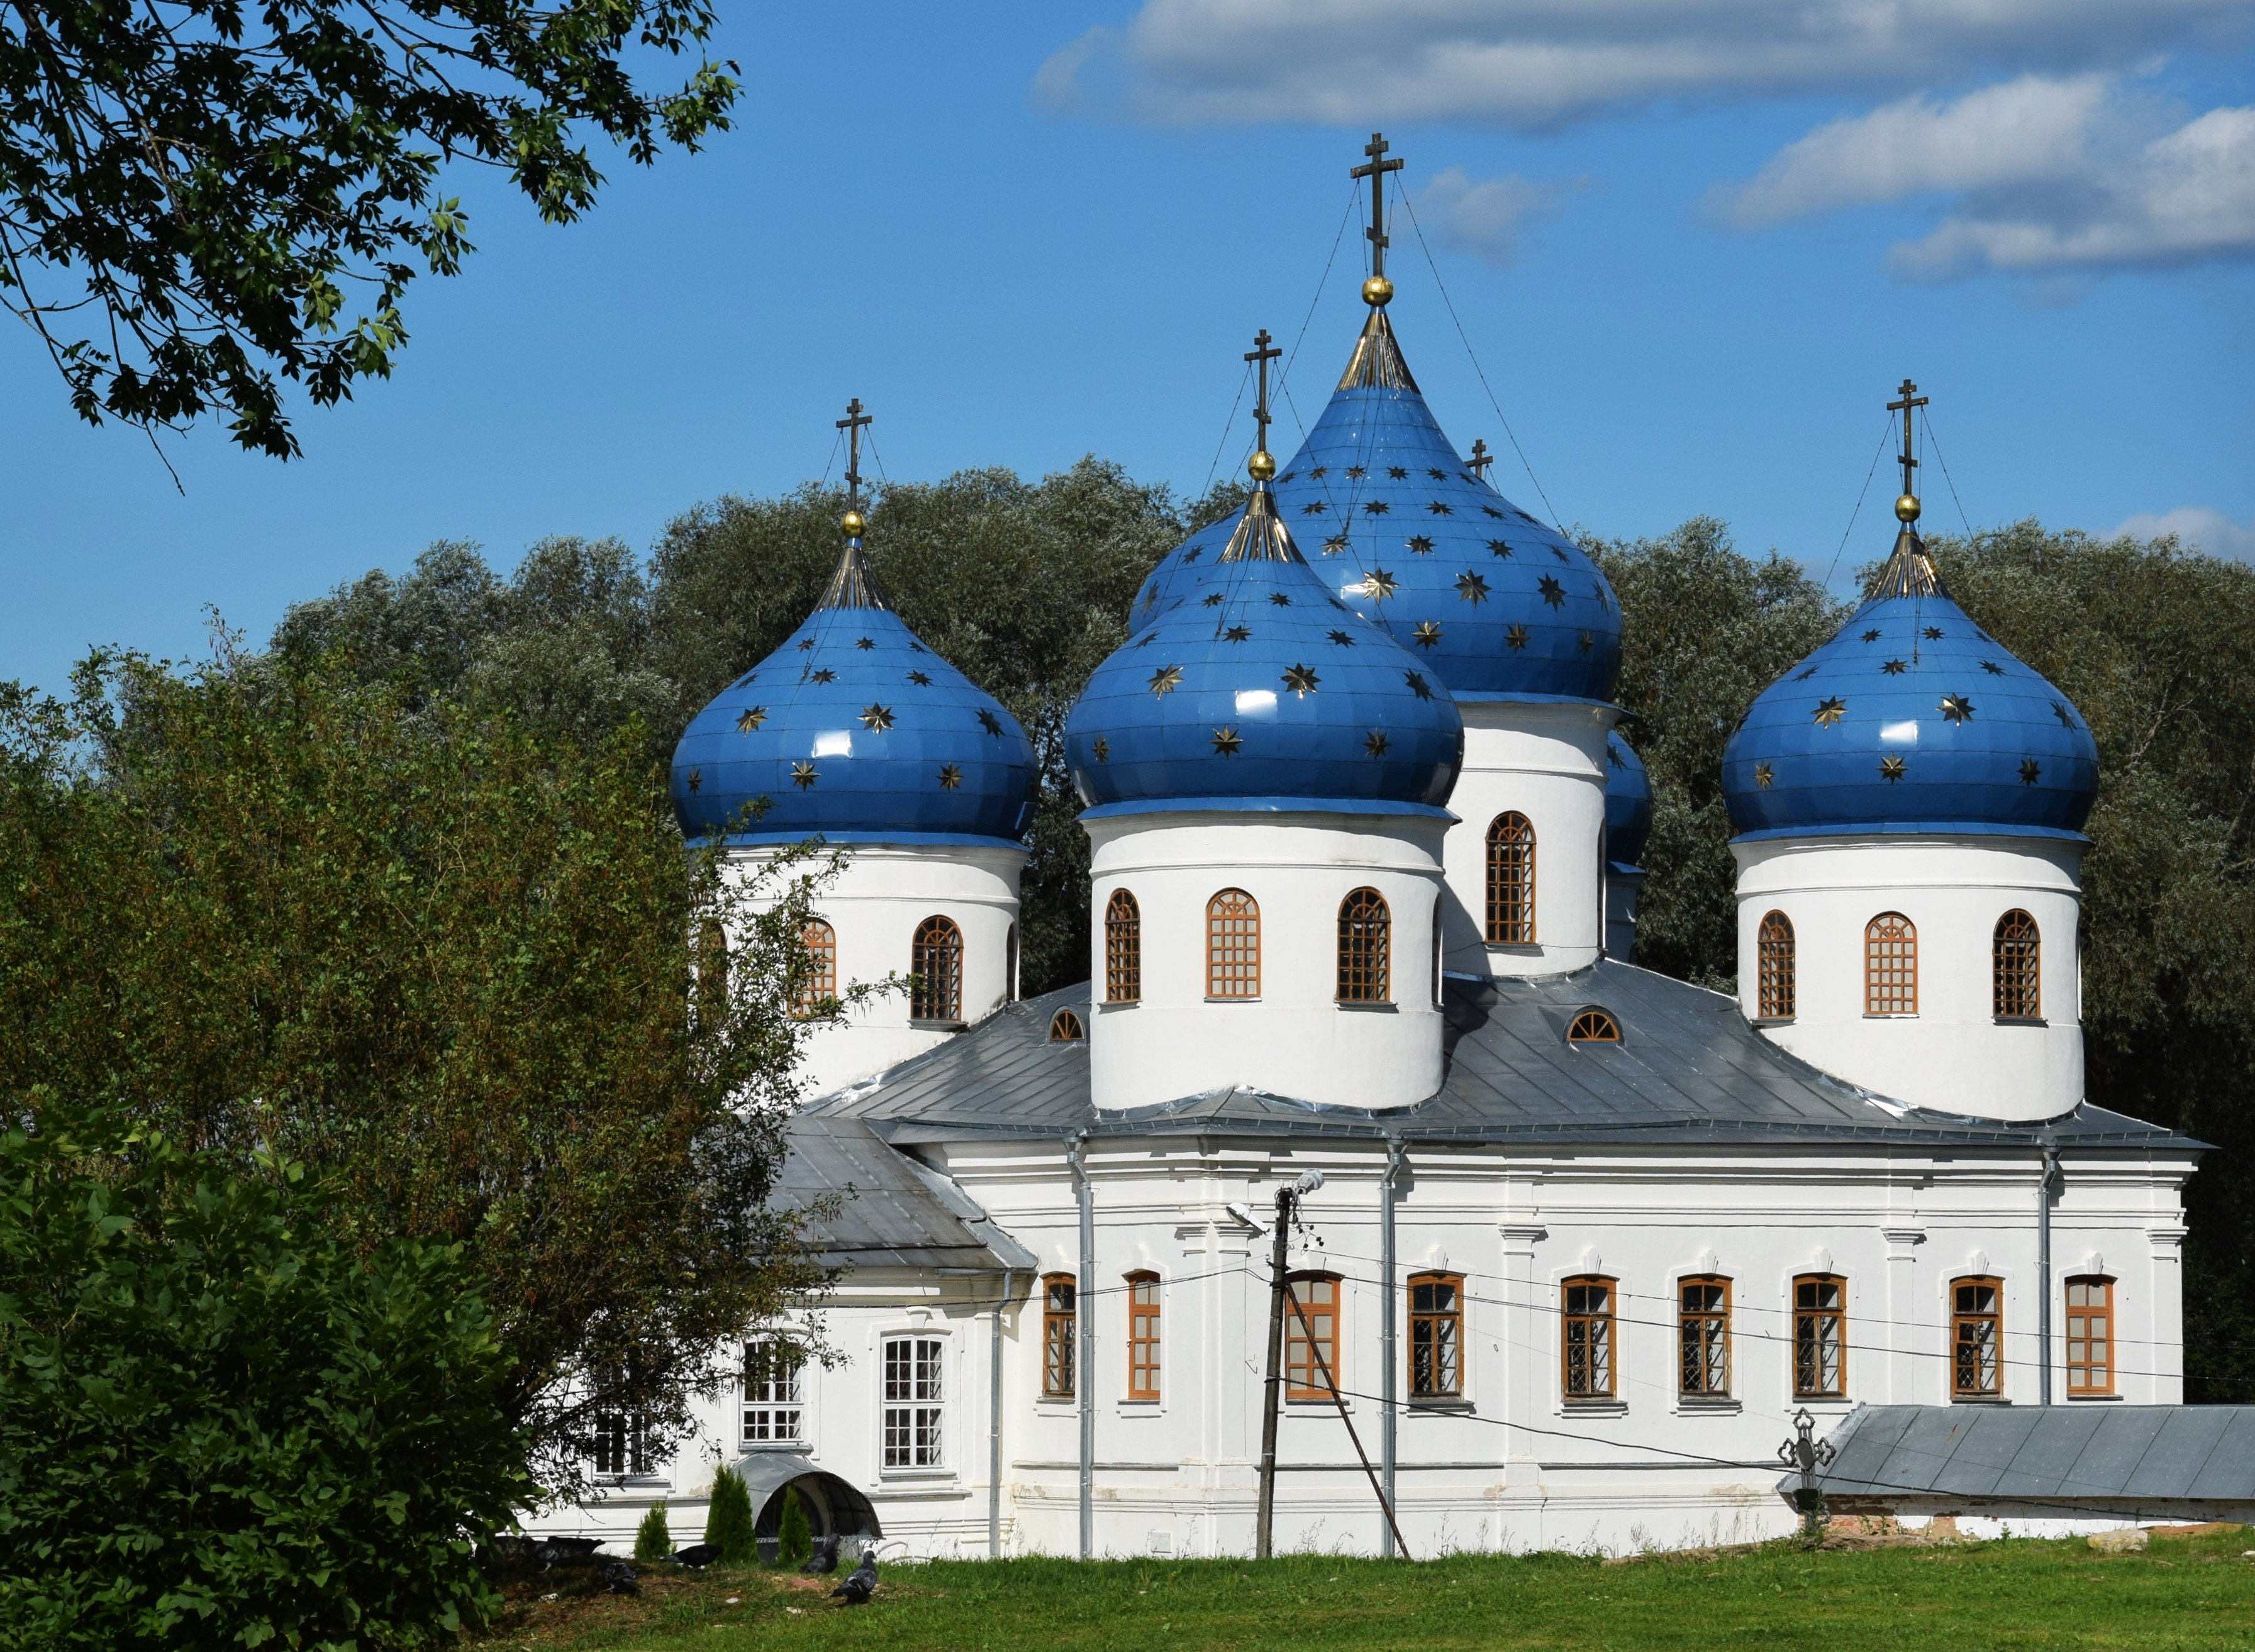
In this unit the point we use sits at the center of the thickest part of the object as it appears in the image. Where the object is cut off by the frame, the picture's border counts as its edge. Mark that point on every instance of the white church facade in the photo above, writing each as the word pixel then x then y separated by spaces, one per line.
pixel 1364 844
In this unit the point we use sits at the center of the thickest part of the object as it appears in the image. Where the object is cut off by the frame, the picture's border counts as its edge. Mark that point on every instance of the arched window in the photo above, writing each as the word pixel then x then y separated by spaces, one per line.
pixel 1311 1340
pixel 2089 1334
pixel 1704 1334
pixel 1511 881
pixel 1593 1027
pixel 1774 965
pixel 1365 948
pixel 935 960
pixel 1977 1338
pixel 1820 1337
pixel 1066 1028
pixel 1587 1304
pixel 1060 1296
pixel 1143 1336
pixel 2016 951
pixel 1232 946
pixel 1436 1326
pixel 1890 965
pixel 819 983
pixel 1123 949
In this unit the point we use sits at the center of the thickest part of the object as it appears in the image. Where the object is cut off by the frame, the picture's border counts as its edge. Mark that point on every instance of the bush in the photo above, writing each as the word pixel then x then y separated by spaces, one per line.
pixel 652 1540
pixel 796 1540
pixel 218 1429
pixel 728 1522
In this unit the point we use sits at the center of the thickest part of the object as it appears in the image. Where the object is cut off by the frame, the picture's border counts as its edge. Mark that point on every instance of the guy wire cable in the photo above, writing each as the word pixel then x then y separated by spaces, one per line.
pixel 1887 432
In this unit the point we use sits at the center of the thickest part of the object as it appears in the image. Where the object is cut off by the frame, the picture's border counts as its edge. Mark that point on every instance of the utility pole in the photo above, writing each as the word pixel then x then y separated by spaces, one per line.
pixel 1265 1519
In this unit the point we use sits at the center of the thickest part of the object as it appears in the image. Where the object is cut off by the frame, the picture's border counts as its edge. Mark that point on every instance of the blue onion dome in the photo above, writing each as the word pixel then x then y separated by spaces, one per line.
pixel 853 730
pixel 1628 803
pixel 1412 537
pixel 1912 719
pixel 1264 692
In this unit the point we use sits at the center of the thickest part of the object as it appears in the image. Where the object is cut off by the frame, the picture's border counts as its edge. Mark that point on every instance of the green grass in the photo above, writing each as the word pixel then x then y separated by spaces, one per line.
pixel 2192 1594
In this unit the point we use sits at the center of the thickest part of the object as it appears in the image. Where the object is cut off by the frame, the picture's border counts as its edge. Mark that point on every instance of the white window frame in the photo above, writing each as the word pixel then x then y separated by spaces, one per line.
pixel 912 1423
pixel 771 1408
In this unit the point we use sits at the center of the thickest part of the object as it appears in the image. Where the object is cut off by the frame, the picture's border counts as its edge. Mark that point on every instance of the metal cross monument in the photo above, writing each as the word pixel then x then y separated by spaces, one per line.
pixel 1910 399
pixel 852 424
pixel 1375 171
pixel 1262 352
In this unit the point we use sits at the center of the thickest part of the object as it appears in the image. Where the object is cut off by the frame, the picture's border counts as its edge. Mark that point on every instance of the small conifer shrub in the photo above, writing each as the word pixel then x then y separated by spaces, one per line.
pixel 797 1537
pixel 728 1522
pixel 652 1540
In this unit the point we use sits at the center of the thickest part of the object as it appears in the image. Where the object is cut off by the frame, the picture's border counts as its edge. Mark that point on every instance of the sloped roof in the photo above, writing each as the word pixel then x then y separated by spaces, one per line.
pixel 891 1212
pixel 1689 1068
pixel 2125 1459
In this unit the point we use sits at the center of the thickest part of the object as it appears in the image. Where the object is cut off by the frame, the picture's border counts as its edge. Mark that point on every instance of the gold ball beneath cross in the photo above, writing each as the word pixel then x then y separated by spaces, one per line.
pixel 1262 466
pixel 1377 291
pixel 853 523
pixel 1907 508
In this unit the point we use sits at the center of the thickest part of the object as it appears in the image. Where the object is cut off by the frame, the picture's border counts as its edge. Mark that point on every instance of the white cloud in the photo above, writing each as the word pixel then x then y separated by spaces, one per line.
pixel 1541 63
pixel 2050 178
pixel 2198 527
pixel 1489 218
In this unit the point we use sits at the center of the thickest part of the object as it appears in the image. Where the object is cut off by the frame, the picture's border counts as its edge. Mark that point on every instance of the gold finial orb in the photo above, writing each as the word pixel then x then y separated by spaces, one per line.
pixel 853 523
pixel 1377 291
pixel 1907 508
pixel 1262 466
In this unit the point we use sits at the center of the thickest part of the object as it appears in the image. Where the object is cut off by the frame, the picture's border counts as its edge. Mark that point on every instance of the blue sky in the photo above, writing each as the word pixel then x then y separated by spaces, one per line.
pixel 1693 245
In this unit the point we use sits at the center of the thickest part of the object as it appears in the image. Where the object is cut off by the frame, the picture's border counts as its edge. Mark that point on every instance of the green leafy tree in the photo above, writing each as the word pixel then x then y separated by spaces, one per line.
pixel 728 1519
pixel 652 1540
pixel 199 200
pixel 221 1425
pixel 446 963
pixel 795 1535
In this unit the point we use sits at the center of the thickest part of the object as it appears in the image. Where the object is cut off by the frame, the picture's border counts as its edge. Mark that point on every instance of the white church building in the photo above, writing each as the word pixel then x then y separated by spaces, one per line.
pixel 1363 840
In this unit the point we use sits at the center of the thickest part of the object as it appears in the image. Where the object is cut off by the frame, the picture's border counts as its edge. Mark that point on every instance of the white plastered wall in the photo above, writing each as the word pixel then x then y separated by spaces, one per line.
pixel 874 905
pixel 1296 1039
pixel 1954 1055
pixel 1547 762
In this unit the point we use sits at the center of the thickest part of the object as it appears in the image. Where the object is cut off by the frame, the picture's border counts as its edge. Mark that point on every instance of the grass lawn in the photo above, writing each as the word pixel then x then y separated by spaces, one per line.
pixel 2195 1592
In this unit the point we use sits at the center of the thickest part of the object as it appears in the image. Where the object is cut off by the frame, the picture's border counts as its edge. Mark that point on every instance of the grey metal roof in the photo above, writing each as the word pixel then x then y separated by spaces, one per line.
pixel 2123 1457
pixel 891 1210
pixel 1689 1068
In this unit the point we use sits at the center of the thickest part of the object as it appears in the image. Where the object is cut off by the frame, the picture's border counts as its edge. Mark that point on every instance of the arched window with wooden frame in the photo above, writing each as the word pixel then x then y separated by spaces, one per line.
pixel 1317 1297
pixel 1066 1028
pixel 1511 880
pixel 1593 1025
pixel 1365 948
pixel 2016 952
pixel 1143 1336
pixel 1890 965
pixel 1702 1322
pixel 1820 1337
pixel 1586 1306
pixel 935 960
pixel 1232 946
pixel 1437 1336
pixel 2089 1334
pixel 1775 964
pixel 1060 1319
pixel 1977 1338
pixel 1123 949
pixel 819 985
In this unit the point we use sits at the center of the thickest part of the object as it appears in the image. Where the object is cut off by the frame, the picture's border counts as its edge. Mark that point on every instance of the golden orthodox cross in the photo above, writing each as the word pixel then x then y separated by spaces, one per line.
pixel 852 424
pixel 1910 399
pixel 1264 353
pixel 1375 171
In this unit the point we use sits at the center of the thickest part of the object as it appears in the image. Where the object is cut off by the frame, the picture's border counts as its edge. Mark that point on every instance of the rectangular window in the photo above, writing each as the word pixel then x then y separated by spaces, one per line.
pixel 1820 1337
pixel 2089 1335
pixel 620 1443
pixel 1976 1339
pixel 1436 1326
pixel 913 1415
pixel 1059 1294
pixel 1589 1346
pixel 1143 1336
pixel 1704 1324
pixel 773 1405
pixel 1317 1296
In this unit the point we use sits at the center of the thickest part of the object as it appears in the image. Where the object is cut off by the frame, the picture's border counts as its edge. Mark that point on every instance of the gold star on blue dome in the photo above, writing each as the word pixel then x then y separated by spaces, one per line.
pixel 992 724
pixel 1164 679
pixel 865 643
pixel 951 776
pixel 1357 470
pixel 1872 636
pixel 1319 472
pixel 1427 635
pixel 1553 592
pixel 1516 636
pixel 1213 599
pixel 804 775
pixel 1314 508
pixel 1493 512
pixel 1342 639
pixel 1763 775
pixel 1300 681
pixel 1436 473
pixel 753 716
pixel 2060 712
pixel 1418 686
pixel 1933 633
pixel 1890 768
pixel 1829 711
pixel 877 717
pixel 824 675
pixel 1956 708
pixel 1238 634
pixel 1375 743
pixel 920 679
pixel 1440 509
pixel 1377 506
pixel 1585 642
pixel 1399 472
pixel 1894 668
pixel 1280 600
pixel 1102 747
pixel 1226 741
pixel 1499 548
pixel 1421 545
pixel 2031 771
pixel 696 780
pixel 1335 544
pixel 1993 668
pixel 1472 588
pixel 1378 584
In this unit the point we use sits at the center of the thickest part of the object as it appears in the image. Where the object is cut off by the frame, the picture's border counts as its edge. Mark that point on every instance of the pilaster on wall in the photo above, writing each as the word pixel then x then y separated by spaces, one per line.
pixel 1519 1235
pixel 2166 1282
pixel 1903 1315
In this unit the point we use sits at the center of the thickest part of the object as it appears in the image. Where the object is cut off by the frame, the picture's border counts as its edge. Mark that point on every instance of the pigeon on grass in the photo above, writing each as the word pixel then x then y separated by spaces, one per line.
pixel 697 1556
pixel 860 1584
pixel 618 1577
pixel 824 1560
